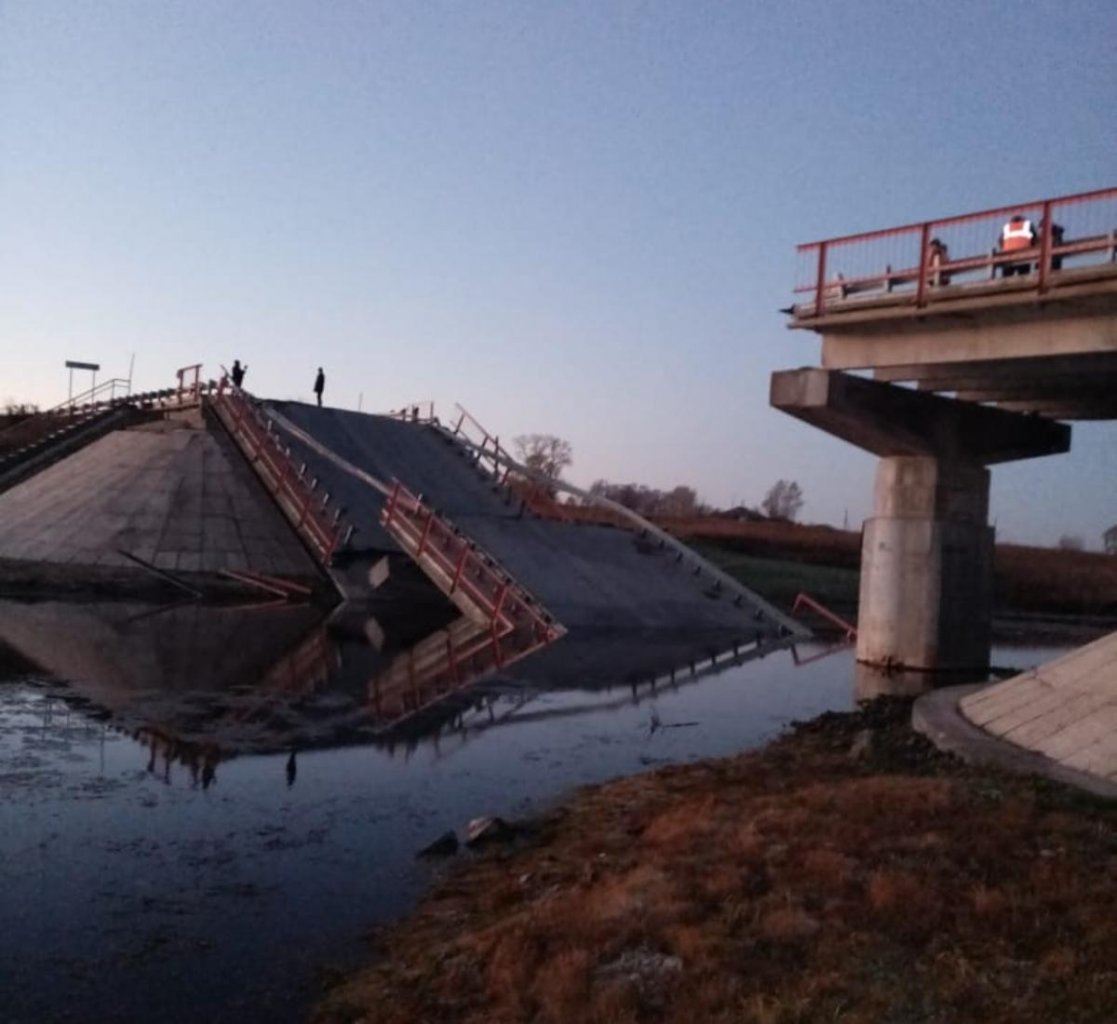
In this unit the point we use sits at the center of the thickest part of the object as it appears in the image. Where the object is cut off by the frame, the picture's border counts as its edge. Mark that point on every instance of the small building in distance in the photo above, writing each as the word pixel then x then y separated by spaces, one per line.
pixel 1109 539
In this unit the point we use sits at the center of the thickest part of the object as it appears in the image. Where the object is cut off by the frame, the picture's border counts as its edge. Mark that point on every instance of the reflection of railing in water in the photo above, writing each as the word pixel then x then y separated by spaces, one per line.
pixel 691 671
pixel 200 759
pixel 438 666
pixel 825 652
pixel 304 669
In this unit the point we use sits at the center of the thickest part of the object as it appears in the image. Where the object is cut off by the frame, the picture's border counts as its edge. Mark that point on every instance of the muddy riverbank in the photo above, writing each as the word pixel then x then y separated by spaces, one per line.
pixel 847 871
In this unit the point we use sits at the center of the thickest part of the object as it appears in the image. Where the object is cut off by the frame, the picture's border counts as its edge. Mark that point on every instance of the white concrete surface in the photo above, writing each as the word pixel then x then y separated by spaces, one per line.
pixel 1065 710
pixel 171 493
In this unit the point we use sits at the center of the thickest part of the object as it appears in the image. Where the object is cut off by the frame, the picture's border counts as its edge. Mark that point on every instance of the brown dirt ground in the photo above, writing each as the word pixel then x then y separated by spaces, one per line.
pixel 800 883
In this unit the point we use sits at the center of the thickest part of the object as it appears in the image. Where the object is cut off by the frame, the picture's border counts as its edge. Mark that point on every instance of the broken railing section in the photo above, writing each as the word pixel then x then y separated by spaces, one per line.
pixel 307 508
pixel 416 412
pixel 491 456
pixel 502 622
pixel 848 630
pixel 803 600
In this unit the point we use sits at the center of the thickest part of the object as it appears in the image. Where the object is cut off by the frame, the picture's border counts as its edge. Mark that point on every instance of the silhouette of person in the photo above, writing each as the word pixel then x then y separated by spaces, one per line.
pixel 209 769
pixel 1057 231
pixel 292 770
pixel 319 386
pixel 937 255
pixel 238 372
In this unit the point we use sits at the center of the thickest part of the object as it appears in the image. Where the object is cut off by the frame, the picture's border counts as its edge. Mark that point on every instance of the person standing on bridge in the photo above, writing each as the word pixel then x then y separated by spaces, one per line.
pixel 1018 234
pixel 238 372
pixel 319 386
pixel 937 255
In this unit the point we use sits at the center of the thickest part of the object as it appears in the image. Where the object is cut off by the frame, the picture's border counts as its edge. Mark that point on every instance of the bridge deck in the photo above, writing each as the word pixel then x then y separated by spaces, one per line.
pixel 587 575
pixel 1032 330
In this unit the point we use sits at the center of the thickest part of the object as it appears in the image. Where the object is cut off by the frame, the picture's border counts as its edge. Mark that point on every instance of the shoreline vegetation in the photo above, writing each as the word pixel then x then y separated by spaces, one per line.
pixel 848 871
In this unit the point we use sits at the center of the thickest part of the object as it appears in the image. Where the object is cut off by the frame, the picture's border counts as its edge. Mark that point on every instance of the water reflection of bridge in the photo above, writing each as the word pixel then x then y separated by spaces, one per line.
pixel 200 683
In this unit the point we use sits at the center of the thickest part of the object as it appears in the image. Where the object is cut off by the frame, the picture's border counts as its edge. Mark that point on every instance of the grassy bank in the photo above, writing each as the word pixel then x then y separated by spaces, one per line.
pixel 780 559
pixel 779 580
pixel 847 872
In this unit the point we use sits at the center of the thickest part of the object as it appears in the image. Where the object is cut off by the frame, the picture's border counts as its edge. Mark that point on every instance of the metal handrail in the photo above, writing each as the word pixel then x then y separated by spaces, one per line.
pixel 469 568
pixel 802 599
pixel 89 396
pixel 415 412
pixel 927 273
pixel 998 211
pixel 299 499
pixel 500 459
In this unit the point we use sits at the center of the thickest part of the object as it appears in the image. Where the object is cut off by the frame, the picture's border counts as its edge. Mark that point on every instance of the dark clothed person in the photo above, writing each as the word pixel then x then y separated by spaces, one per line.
pixel 319 386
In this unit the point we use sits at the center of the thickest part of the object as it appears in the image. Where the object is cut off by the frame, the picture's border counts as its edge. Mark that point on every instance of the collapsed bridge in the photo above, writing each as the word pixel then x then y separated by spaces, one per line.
pixel 212 484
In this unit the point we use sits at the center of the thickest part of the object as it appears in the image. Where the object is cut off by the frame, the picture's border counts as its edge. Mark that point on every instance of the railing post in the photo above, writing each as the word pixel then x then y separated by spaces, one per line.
pixel 425 534
pixel 390 511
pixel 460 568
pixel 498 604
pixel 820 285
pixel 921 286
pixel 1045 247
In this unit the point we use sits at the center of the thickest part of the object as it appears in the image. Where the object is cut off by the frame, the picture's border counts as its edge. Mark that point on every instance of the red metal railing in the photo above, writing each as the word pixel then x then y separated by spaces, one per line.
pixel 488 445
pixel 805 600
pixel 417 412
pixel 462 570
pixel 496 459
pixel 302 503
pixel 915 262
pixel 502 621
pixel 189 382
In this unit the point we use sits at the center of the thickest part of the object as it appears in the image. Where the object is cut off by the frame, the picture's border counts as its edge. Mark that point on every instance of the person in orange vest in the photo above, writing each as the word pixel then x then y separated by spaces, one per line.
pixel 1019 233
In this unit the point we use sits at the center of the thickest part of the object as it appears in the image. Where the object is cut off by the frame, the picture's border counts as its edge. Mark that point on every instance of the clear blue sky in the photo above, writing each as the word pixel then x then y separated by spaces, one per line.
pixel 574 218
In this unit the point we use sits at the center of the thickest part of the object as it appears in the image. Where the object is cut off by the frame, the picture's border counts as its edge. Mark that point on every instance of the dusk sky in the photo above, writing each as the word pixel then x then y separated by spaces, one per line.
pixel 573 218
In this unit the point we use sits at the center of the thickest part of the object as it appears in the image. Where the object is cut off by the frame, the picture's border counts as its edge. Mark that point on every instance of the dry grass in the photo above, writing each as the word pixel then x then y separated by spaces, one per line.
pixel 1027 579
pixel 790 885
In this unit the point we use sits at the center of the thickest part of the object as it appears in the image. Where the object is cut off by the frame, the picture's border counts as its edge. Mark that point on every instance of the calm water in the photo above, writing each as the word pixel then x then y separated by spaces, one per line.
pixel 141 880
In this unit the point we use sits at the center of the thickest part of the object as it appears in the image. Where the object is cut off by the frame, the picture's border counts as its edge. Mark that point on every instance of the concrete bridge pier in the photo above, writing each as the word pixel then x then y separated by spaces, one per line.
pixel 927 566
pixel 927 553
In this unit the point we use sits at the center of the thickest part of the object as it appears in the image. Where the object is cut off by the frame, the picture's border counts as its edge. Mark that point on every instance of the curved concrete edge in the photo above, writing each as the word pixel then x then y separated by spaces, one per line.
pixel 938 717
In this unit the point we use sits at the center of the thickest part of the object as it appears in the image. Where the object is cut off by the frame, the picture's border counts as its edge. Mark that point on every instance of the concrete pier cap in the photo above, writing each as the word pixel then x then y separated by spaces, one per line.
pixel 927 552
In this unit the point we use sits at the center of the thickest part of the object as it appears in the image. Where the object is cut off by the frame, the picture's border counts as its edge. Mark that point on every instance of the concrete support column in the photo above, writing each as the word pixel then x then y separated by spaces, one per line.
pixel 927 566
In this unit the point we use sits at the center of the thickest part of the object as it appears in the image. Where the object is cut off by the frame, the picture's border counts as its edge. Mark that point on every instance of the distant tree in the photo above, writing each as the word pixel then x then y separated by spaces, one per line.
pixel 783 501
pixel 10 407
pixel 544 453
pixel 1071 542
pixel 681 501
